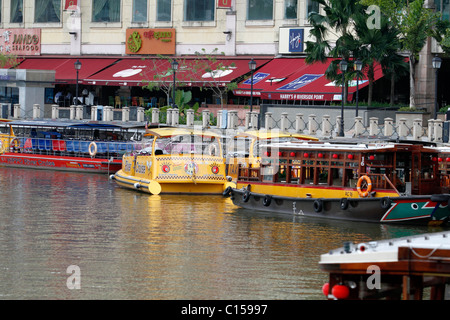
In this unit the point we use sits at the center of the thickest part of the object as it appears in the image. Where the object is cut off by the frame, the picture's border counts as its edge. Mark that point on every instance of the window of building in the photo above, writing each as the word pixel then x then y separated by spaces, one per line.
pixel 16 11
pixel 106 11
pixel 443 7
pixel 163 10
pixel 199 10
pixel 260 10
pixel 290 9
pixel 47 11
pixel 140 11
pixel 312 6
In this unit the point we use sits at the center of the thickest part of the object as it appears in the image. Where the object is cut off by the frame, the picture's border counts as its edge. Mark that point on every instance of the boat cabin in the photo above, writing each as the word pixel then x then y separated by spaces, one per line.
pixel 405 168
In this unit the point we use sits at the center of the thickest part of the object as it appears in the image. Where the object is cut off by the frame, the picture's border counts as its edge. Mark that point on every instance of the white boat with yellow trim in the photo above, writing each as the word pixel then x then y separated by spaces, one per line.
pixel 176 160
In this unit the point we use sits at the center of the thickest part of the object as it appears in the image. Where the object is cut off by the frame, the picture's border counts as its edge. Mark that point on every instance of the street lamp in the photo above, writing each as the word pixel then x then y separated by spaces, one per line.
pixel 343 65
pixel 174 68
pixel 77 65
pixel 436 66
pixel 252 67
pixel 358 68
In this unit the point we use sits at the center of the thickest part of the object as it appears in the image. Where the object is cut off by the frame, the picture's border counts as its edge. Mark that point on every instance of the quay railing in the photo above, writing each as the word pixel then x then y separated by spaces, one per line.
pixel 433 130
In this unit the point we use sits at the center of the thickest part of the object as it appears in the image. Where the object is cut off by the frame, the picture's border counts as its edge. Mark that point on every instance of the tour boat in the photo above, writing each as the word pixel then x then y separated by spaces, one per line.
pixel 244 148
pixel 360 181
pixel 392 269
pixel 176 160
pixel 68 146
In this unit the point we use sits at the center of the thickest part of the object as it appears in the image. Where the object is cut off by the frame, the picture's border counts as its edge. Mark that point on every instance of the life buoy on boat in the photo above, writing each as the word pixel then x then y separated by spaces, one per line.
pixel 92 149
pixel 13 144
pixel 369 186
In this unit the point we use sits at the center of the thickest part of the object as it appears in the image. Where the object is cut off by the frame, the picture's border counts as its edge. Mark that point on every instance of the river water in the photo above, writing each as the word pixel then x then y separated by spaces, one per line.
pixel 80 236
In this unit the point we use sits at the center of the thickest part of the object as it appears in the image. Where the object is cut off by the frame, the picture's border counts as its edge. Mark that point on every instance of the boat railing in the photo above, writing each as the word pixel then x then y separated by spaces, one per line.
pixel 248 174
pixel 74 148
pixel 381 181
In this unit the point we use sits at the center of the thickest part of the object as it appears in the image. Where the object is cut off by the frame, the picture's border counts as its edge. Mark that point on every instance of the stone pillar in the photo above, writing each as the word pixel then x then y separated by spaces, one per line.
pixel 72 112
pixel 402 128
pixel 359 126
pixel 430 129
pixel 155 115
pixel 233 119
pixel 247 120
pixel 269 121
pixel 284 123
pixel 373 126
pixel 417 129
pixel 312 124
pixel 169 116
pixel 388 127
pixel 299 123
pixel 254 119
pixel 326 126
pixel 190 117
pixel 36 111
pixel 438 130
pixel 126 114
pixel 55 111
pixel 175 117
pixel 206 115
pixel 140 117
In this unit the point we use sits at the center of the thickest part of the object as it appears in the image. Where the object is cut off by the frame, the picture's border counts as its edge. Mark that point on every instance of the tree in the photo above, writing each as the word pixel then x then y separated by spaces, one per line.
pixel 415 24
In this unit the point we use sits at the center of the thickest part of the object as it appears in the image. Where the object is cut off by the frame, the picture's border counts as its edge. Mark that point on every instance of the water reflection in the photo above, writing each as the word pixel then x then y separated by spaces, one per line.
pixel 137 246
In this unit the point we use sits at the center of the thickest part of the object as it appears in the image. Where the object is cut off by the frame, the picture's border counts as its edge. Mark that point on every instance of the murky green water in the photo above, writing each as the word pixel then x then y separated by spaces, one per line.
pixel 136 246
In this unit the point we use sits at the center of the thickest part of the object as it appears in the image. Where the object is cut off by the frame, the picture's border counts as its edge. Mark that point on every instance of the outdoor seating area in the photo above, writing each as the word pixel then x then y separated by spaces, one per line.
pixel 135 101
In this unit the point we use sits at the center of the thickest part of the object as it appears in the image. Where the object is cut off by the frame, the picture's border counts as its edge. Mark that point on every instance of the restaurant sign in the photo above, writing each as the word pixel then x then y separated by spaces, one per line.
pixel 150 41
pixel 20 42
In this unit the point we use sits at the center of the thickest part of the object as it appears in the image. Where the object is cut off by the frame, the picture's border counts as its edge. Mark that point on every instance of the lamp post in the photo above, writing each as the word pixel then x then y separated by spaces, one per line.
pixel 252 67
pixel 77 65
pixel 174 68
pixel 436 66
pixel 343 65
pixel 358 68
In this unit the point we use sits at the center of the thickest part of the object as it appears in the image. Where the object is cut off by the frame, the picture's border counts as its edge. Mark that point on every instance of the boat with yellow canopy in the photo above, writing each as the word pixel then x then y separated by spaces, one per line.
pixel 245 149
pixel 176 160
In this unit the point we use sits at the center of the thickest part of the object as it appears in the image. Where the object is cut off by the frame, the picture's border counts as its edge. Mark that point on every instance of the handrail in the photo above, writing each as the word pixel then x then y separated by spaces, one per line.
pixel 73 147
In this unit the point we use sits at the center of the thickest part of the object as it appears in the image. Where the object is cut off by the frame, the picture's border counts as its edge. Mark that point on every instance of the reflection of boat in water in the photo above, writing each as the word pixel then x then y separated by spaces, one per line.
pixel 67 146
pixel 374 182
pixel 390 269
pixel 176 160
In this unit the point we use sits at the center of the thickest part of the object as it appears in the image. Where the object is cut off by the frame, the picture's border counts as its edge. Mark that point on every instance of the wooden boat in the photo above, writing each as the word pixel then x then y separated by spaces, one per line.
pixel 176 160
pixel 68 146
pixel 408 268
pixel 372 181
pixel 244 149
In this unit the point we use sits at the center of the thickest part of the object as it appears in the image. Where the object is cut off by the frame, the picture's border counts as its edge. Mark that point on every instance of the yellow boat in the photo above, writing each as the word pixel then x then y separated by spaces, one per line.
pixel 176 160
pixel 6 136
pixel 246 151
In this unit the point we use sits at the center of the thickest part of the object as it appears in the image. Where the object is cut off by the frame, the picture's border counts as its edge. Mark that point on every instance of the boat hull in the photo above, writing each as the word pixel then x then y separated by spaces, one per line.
pixel 61 163
pixel 410 210
pixel 169 187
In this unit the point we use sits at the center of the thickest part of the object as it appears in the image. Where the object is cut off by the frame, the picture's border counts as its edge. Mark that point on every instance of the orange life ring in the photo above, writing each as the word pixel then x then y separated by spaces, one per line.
pixel 369 186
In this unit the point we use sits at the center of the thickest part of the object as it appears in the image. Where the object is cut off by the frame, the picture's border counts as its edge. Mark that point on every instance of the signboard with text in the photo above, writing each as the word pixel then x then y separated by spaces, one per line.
pixel 20 42
pixel 150 41
pixel 224 3
pixel 296 40
pixel 300 82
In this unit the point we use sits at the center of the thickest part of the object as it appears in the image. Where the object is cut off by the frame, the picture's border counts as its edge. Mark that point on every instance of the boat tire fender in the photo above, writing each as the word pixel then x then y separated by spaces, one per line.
pixel 365 193
pixel 92 149
pixel 385 202
pixel 227 192
pixel 246 196
pixel 318 205
pixel 344 203
pixel 267 200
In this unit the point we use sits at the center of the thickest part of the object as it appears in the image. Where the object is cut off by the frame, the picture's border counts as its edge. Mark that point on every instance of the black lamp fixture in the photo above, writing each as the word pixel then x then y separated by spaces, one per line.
pixel 77 65
pixel 436 62
pixel 343 66
pixel 252 67
pixel 174 69
pixel 358 68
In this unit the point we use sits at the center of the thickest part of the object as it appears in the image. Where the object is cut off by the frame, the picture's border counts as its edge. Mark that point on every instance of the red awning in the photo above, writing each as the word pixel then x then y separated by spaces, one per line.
pixel 300 81
pixel 191 71
pixel 65 69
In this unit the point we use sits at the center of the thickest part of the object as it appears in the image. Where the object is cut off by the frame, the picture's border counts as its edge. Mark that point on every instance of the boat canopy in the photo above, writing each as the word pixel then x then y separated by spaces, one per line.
pixel 168 132
pixel 274 134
